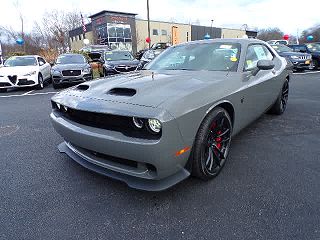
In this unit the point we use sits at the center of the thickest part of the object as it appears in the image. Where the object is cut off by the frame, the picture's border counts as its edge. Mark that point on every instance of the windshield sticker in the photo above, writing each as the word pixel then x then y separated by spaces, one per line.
pixel 233 59
pixel 226 46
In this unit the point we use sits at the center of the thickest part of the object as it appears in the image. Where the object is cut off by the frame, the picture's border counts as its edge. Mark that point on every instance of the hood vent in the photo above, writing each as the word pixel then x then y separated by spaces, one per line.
pixel 83 87
pixel 127 92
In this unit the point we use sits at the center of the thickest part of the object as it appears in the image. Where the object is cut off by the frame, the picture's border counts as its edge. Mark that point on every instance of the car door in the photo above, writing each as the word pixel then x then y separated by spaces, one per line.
pixel 44 68
pixel 262 89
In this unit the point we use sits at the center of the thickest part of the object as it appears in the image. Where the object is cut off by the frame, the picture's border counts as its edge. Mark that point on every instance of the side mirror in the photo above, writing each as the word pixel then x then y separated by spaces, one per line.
pixel 263 65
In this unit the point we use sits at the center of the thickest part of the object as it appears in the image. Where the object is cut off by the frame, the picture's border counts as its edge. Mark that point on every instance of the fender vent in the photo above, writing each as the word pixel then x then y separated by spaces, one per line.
pixel 128 92
pixel 83 87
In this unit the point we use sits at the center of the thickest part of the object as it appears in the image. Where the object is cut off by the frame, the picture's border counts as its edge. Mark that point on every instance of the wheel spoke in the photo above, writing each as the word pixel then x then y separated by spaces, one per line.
pixel 224 133
pixel 212 158
pixel 220 154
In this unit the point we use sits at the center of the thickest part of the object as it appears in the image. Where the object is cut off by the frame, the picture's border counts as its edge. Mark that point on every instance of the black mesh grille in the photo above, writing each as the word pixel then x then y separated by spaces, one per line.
pixel 71 73
pixel 105 121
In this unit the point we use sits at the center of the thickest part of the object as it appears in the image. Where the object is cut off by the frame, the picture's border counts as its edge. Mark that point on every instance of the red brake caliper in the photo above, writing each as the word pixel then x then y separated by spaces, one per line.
pixel 218 140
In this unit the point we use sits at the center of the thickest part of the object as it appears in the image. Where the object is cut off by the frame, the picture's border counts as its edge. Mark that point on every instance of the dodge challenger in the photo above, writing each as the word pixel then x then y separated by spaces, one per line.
pixel 154 128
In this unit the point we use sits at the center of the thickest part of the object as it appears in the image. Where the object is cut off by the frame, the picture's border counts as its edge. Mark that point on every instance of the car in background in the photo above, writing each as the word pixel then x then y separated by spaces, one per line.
pixel 70 69
pixel 283 42
pixel 154 128
pixel 154 46
pixel 150 54
pixel 24 71
pixel 116 61
pixel 311 48
pixel 300 61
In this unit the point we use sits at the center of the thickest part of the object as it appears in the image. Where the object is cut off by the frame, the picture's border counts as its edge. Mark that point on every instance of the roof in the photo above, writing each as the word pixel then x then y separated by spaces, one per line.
pixel 112 12
pixel 228 40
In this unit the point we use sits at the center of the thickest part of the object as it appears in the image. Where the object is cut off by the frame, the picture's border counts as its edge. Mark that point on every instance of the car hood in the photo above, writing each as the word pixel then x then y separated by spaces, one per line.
pixel 123 62
pixel 146 88
pixel 20 70
pixel 288 54
pixel 61 67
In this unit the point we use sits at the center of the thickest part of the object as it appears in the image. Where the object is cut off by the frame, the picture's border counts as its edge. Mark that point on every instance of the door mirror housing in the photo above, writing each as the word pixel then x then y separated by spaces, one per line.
pixel 263 65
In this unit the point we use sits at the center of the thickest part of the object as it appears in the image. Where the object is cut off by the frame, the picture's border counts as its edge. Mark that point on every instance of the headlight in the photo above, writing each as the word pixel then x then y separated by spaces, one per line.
pixel 109 66
pixel 86 70
pixel 294 57
pixel 55 72
pixel 30 73
pixel 154 125
pixel 138 122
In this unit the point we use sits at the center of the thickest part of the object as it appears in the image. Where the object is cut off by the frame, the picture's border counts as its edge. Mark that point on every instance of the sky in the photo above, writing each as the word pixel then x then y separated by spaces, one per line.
pixel 284 14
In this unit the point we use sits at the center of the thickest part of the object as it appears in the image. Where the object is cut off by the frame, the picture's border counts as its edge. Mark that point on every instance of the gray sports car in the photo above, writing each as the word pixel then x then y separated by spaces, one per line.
pixel 152 129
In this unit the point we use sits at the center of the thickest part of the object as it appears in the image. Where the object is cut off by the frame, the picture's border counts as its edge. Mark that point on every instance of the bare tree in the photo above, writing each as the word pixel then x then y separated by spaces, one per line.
pixel 270 34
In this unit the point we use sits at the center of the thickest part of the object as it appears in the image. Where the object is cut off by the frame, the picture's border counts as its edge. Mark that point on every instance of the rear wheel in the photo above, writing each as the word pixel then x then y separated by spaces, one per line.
pixel 54 85
pixel 212 144
pixel 40 82
pixel 281 104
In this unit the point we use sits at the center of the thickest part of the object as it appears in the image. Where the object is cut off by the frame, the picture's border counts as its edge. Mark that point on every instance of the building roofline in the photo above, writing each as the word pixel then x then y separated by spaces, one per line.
pixel 116 12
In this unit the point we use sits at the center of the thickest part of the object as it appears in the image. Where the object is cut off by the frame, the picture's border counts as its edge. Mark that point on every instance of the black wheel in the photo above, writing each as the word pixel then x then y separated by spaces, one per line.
pixel 281 104
pixel 315 64
pixel 54 85
pixel 40 82
pixel 212 143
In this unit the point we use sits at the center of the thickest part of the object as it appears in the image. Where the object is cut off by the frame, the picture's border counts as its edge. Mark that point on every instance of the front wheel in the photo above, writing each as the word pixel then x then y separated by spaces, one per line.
pixel 212 143
pixel 40 82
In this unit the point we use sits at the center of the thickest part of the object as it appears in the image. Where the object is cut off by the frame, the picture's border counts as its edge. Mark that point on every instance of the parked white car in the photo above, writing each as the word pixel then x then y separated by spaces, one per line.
pixel 24 71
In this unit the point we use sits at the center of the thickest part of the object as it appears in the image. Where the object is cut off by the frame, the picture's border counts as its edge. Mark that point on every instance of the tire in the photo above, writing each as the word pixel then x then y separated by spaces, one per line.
pixel 211 145
pixel 316 64
pixel 54 85
pixel 40 82
pixel 280 105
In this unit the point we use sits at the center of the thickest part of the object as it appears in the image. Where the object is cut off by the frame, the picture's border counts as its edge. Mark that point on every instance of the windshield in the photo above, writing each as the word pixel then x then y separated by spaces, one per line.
pixel 117 56
pixel 71 59
pixel 194 57
pixel 20 61
pixel 313 47
pixel 281 48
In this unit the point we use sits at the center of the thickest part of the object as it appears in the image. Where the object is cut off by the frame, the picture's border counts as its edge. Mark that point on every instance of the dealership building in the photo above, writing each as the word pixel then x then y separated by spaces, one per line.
pixel 124 31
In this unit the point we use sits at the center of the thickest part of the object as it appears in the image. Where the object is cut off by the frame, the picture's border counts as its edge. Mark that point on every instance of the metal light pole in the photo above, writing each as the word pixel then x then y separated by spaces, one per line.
pixel 148 23
pixel 211 29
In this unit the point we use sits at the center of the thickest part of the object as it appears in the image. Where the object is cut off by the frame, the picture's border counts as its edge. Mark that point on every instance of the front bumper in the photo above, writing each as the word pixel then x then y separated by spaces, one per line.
pixel 301 64
pixel 17 81
pixel 60 79
pixel 143 164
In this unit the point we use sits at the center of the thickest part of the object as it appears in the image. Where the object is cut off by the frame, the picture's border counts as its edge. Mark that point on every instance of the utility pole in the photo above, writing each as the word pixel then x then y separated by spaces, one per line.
pixel 211 29
pixel 148 23
pixel 22 34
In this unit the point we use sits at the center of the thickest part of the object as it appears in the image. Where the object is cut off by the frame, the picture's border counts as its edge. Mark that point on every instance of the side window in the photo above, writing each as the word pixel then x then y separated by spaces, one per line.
pixel 256 53
pixel 41 61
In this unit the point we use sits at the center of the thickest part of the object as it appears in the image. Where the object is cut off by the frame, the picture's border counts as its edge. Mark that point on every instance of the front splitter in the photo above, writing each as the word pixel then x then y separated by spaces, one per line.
pixel 133 182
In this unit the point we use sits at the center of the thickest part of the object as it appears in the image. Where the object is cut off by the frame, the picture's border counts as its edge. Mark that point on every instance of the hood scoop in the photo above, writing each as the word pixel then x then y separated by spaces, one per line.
pixel 126 92
pixel 83 87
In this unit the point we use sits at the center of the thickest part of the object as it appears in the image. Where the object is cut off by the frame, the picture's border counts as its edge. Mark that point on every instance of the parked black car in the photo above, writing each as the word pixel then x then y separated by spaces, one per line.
pixel 300 61
pixel 311 48
pixel 71 69
pixel 117 61
pixel 149 54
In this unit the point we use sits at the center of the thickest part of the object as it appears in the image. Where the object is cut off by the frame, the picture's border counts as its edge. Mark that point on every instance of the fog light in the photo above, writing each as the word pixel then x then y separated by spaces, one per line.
pixel 154 125
pixel 138 122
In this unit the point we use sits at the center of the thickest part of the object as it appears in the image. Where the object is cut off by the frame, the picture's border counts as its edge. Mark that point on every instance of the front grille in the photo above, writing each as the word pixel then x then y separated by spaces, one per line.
pixel 23 82
pixel 111 122
pixel 5 84
pixel 71 73
pixel 13 79
pixel 303 57
pixel 125 68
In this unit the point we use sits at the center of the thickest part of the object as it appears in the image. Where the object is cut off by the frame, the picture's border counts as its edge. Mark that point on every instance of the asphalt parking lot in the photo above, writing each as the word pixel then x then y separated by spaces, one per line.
pixel 269 188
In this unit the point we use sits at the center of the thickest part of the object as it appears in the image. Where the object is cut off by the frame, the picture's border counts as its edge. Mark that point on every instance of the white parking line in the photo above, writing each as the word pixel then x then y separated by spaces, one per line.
pixel 304 73
pixel 27 92
pixel 32 94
